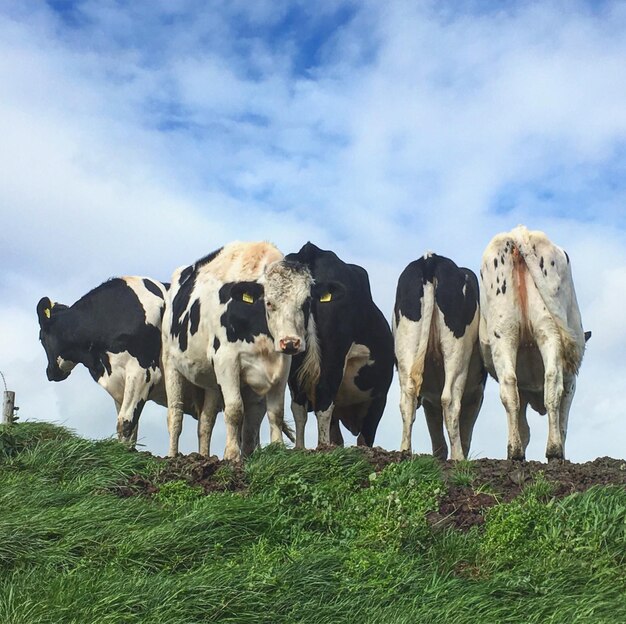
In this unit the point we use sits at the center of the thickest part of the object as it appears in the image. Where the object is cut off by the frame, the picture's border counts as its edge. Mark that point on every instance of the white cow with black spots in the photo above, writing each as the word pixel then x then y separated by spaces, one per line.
pixel 215 335
pixel 531 334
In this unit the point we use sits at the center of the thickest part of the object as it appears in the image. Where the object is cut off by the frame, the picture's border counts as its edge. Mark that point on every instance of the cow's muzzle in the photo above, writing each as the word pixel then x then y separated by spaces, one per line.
pixel 290 346
pixel 56 374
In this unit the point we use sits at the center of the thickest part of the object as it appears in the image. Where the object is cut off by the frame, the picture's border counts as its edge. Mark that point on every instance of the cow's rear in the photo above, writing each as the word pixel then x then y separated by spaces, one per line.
pixel 531 333
pixel 436 345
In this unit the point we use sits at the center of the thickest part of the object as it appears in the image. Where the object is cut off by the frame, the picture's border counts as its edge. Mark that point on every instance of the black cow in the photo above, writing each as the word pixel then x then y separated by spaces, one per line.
pixel 115 332
pixel 435 329
pixel 321 310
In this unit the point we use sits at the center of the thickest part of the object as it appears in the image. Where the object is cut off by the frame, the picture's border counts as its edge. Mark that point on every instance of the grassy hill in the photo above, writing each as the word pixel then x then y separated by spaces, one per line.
pixel 304 537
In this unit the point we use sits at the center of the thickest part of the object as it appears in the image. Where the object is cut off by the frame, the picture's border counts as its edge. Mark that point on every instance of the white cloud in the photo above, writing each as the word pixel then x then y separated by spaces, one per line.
pixel 138 140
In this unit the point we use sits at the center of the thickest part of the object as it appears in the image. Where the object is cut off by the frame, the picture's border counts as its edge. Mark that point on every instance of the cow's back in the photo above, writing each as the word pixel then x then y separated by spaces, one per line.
pixel 240 262
pixel 123 315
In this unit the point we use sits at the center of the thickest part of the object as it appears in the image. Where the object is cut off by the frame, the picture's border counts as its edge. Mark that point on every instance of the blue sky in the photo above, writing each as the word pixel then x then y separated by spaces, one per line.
pixel 138 136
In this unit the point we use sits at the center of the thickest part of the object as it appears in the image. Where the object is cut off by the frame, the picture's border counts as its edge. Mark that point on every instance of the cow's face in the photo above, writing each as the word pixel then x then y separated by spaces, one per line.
pixel 59 367
pixel 287 305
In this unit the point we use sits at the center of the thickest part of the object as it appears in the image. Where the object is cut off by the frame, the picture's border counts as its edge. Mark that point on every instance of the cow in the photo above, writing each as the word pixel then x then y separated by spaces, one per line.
pixel 435 329
pixel 320 309
pixel 531 334
pixel 215 335
pixel 115 332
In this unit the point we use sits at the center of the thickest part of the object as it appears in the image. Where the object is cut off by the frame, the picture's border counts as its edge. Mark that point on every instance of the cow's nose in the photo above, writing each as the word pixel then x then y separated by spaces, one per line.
pixel 290 346
pixel 56 374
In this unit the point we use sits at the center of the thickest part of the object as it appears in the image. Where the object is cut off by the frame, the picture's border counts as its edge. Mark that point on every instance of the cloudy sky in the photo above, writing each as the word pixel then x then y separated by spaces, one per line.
pixel 137 137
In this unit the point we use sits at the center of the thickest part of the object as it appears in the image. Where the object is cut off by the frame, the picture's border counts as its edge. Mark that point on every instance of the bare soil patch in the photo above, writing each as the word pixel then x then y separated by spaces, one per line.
pixel 471 491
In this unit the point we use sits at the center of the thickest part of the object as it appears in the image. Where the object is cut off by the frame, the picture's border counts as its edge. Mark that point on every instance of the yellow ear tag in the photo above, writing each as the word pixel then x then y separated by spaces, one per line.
pixel 247 298
pixel 326 297
pixel 47 312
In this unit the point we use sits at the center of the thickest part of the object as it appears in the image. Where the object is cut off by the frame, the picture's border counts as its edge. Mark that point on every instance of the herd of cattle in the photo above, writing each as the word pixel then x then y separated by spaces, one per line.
pixel 234 329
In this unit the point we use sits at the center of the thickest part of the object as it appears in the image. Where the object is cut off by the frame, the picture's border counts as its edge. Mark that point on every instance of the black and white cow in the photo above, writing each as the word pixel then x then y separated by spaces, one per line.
pixel 215 335
pixel 435 329
pixel 531 334
pixel 321 309
pixel 115 332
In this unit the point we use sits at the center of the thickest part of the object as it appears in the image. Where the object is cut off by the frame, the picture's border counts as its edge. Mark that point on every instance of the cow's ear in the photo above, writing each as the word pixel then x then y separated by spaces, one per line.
pixel 248 292
pixel 44 310
pixel 325 292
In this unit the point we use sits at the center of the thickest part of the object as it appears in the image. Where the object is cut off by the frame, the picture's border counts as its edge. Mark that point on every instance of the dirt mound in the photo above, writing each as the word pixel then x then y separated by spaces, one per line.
pixel 209 473
pixel 472 487
pixel 486 482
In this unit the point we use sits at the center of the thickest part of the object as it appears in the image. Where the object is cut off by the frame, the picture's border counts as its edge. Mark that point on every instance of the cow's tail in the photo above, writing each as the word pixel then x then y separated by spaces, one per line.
pixel 572 347
pixel 309 372
pixel 428 306
pixel 289 432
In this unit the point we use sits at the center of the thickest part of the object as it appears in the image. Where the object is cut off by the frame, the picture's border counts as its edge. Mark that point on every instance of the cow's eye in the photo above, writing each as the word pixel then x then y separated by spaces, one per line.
pixel 269 305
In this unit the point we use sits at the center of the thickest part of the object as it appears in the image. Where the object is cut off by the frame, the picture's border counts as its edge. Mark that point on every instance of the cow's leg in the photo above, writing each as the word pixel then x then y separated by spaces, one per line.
pixel 228 377
pixel 206 420
pixel 470 407
pixel 324 418
pixel 332 368
pixel 133 437
pixel 522 420
pixel 408 405
pixel 136 392
pixel 233 417
pixel 276 409
pixel 569 389
pixel 504 353
pixel 451 405
pixel 300 416
pixel 336 436
pixel 370 421
pixel 174 384
pixel 457 355
pixel 407 338
pixel 253 414
pixel 550 347
pixel 434 420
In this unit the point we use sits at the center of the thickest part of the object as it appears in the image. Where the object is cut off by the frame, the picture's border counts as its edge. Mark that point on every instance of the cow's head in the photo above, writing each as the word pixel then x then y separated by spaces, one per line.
pixel 288 304
pixel 59 364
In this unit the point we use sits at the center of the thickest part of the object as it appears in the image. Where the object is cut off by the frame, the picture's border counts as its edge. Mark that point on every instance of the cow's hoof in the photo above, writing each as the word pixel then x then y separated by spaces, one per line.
pixel 515 454
pixel 554 453
pixel 554 457
pixel 232 456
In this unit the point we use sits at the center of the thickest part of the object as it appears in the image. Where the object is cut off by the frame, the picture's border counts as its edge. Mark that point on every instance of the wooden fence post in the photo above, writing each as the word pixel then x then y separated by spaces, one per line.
pixel 8 407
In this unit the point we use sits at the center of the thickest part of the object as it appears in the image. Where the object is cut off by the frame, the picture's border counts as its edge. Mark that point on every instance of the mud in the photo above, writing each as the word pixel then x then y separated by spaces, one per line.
pixel 209 473
pixel 472 487
pixel 487 482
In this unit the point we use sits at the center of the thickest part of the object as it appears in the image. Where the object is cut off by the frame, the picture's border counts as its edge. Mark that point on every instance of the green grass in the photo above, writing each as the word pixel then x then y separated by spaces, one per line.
pixel 315 538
